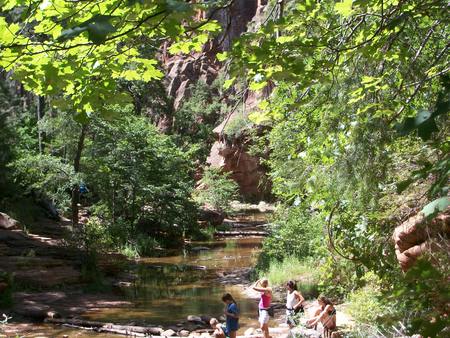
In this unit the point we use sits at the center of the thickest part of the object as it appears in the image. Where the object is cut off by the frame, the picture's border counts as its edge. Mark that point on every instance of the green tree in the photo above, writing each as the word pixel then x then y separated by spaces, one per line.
pixel 140 178
pixel 76 51
pixel 216 189
pixel 359 128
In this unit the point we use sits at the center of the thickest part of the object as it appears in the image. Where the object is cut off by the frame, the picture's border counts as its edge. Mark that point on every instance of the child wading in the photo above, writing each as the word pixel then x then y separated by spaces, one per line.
pixel 262 286
pixel 232 314
pixel 294 303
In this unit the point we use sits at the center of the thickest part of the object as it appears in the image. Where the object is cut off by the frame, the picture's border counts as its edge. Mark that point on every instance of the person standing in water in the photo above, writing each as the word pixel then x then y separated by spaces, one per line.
pixel 294 303
pixel 262 286
pixel 232 314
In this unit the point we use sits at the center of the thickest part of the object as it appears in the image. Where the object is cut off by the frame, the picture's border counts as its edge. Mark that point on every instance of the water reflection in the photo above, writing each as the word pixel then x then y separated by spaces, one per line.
pixel 168 289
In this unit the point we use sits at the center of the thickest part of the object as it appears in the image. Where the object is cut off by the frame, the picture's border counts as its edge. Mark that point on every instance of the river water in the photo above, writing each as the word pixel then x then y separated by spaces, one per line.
pixel 169 289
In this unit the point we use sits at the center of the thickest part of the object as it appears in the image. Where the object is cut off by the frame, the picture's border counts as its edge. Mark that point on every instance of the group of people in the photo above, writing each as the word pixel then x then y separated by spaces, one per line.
pixel 295 303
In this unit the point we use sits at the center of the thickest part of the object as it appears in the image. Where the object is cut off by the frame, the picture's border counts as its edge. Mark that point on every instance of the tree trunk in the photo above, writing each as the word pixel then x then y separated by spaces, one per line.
pixel 76 167
pixel 40 105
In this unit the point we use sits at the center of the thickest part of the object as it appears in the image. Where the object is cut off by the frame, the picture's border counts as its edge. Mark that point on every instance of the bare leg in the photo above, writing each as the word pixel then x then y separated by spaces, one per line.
pixel 265 330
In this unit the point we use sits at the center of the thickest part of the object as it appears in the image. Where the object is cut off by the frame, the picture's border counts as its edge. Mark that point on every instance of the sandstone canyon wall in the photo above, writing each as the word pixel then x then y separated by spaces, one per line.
pixel 183 71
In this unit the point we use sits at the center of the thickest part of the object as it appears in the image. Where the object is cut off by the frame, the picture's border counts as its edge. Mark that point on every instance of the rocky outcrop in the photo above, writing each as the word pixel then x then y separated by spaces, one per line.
pixel 417 235
pixel 245 169
pixel 182 70
pixel 232 156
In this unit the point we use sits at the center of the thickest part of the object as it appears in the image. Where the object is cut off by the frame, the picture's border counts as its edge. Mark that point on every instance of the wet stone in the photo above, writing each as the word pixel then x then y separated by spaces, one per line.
pixel 168 333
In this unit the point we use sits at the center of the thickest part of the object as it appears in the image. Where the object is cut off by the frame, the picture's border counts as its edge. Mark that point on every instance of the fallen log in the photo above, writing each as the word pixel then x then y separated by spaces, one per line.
pixel 123 332
pixel 240 233
pixel 106 327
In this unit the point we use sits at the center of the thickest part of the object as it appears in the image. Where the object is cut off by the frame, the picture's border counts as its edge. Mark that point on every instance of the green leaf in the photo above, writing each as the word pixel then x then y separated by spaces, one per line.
pixel 70 33
pixel 285 38
pixel 344 8
pixel 403 185
pixel 222 56
pixel 178 6
pixel 81 117
pixel 433 208
pixel 423 122
pixel 255 86
pixel 211 26
pixel 98 27
pixel 228 83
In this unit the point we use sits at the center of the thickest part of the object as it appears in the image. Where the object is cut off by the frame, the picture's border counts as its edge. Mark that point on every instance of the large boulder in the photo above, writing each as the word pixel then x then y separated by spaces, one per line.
pixel 415 236
pixel 7 222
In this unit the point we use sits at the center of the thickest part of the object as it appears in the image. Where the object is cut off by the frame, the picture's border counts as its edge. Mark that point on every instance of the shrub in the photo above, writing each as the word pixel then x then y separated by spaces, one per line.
pixel 236 127
pixel 217 190
pixel 365 305
pixel 340 276
pixel 204 234
pixel 292 268
pixel 295 232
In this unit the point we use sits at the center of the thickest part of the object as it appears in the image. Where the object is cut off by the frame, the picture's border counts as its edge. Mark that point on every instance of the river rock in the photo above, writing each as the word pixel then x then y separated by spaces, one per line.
pixel 168 333
pixel 7 222
pixel 53 314
pixel 192 318
pixel 35 311
pixel 205 318
pixel 249 331
pixel 199 248
pixel 184 333
pixel 304 332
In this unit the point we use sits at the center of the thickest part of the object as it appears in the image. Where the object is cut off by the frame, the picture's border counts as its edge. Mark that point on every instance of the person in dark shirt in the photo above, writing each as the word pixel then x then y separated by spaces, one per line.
pixel 232 314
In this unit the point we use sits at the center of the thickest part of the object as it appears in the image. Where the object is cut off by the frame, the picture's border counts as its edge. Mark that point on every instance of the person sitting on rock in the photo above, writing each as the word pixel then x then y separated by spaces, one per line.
pixel 232 314
pixel 326 314
pixel 218 330
pixel 294 303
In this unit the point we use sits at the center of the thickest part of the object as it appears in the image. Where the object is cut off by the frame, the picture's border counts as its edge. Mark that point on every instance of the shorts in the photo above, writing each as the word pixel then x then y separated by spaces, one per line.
pixel 263 316
pixel 290 314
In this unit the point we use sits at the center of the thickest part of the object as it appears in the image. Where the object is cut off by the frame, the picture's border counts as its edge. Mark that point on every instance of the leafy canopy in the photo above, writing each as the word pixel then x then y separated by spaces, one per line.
pixel 75 50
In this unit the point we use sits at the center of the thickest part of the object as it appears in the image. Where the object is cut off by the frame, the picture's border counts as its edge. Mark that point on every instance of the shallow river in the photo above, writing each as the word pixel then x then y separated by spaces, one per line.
pixel 168 289
pixel 171 288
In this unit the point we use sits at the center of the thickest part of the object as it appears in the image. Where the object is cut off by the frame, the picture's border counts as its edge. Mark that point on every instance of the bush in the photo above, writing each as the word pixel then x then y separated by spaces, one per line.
pixel 365 304
pixel 236 127
pixel 291 268
pixel 204 234
pixel 340 276
pixel 295 232
pixel 216 190
pixel 142 182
